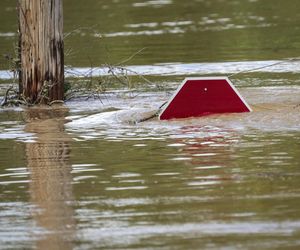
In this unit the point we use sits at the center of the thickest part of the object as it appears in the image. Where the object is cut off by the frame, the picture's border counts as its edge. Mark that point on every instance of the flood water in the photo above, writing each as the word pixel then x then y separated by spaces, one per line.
pixel 90 176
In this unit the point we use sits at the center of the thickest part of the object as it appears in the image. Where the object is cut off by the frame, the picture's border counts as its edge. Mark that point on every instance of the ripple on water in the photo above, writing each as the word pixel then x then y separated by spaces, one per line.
pixel 126 188
pixel 187 69
pixel 113 234
pixel 80 168
pixel 16 226
pixel 207 167
pixel 126 175
pixel 17 133
pixel 152 3
pixel 14 176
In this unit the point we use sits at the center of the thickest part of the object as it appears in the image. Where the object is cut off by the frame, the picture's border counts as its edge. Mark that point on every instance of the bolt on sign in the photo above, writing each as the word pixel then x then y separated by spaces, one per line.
pixel 197 97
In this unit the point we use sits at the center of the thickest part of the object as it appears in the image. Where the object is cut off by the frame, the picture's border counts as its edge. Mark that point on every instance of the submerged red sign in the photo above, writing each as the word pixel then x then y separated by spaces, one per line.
pixel 203 96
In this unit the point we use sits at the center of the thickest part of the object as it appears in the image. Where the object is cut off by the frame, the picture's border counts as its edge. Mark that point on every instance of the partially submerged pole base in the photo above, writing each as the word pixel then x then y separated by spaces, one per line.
pixel 41 44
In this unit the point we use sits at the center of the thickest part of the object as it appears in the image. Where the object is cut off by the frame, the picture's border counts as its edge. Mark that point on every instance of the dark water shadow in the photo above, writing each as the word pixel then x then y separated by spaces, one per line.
pixel 50 173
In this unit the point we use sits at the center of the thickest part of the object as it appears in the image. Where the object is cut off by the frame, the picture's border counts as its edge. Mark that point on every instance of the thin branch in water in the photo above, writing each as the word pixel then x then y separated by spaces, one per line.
pixel 131 57
pixel 79 29
pixel 266 66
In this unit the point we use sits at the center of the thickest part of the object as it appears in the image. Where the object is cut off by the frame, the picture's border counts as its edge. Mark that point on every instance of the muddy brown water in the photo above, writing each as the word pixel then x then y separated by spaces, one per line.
pixel 86 176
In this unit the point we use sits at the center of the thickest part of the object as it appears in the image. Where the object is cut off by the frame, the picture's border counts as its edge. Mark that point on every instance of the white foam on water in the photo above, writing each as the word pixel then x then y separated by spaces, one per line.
pixel 274 109
pixel 186 69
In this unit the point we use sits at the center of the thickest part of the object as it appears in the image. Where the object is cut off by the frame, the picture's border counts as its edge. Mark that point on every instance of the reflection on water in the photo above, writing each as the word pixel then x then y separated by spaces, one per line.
pixel 180 184
pixel 50 176
pixel 97 179
pixel 218 188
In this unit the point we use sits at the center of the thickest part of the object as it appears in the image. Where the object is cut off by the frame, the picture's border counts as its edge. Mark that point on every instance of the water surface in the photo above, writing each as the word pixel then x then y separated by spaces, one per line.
pixel 90 176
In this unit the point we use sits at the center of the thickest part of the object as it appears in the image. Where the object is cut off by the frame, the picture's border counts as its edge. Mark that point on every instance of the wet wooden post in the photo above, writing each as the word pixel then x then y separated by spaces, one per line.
pixel 41 44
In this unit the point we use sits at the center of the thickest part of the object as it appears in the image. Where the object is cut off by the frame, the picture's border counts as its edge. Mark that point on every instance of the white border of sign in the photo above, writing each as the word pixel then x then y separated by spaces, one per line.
pixel 205 78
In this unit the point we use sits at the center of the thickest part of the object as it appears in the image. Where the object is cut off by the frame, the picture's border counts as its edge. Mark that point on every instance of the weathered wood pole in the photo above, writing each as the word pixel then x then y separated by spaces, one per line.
pixel 41 44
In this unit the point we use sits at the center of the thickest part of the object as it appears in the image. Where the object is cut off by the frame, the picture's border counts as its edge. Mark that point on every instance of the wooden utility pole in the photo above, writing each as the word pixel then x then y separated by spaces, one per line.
pixel 41 45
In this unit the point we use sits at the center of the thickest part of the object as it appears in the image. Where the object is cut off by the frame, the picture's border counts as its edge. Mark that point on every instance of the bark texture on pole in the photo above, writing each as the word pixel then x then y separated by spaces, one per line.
pixel 41 50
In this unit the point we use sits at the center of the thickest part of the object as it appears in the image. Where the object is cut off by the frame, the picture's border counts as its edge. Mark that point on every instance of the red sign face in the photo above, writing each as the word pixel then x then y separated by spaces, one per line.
pixel 204 96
